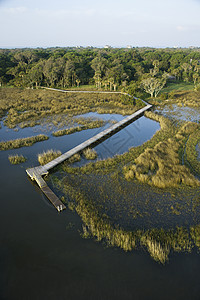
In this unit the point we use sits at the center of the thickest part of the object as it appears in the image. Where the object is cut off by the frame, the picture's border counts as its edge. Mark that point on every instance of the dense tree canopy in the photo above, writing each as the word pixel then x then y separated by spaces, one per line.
pixel 106 68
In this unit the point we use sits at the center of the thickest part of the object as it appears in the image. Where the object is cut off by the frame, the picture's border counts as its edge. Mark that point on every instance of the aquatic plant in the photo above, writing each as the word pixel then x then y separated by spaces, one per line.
pixel 158 242
pixel 89 153
pixel 23 142
pixel 16 159
pixel 76 157
pixel 48 156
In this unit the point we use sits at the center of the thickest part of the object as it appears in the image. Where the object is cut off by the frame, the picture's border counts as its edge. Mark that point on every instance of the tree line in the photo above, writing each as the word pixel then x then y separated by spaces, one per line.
pixel 136 70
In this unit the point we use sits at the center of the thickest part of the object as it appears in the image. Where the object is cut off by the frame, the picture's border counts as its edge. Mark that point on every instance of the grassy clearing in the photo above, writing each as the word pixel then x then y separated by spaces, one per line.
pixel 180 93
pixel 178 86
pixel 48 156
pixel 89 154
pixel 16 159
pixel 28 107
pixel 24 142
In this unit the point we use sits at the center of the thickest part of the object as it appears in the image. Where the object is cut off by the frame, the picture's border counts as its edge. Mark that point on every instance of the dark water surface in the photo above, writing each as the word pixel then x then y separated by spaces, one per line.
pixel 43 256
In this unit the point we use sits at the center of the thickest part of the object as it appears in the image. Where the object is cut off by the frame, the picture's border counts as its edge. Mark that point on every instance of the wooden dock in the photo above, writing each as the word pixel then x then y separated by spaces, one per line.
pixel 37 172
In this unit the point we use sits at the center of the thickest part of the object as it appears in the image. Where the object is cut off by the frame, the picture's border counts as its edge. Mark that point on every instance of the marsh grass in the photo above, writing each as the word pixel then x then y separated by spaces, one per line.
pixel 191 155
pixel 157 241
pixel 157 251
pixel 156 162
pixel 23 142
pixel 118 161
pixel 48 156
pixel 75 158
pixel 89 154
pixel 91 125
pixel 183 97
pixel 28 107
pixel 16 159
pixel 160 166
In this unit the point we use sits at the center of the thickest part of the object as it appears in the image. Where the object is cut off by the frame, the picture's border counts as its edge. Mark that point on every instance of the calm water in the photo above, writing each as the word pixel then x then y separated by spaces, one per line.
pixel 182 113
pixel 42 255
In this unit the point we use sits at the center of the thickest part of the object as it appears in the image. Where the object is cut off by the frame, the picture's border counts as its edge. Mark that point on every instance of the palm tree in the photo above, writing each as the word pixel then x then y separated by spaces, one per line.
pixel 78 82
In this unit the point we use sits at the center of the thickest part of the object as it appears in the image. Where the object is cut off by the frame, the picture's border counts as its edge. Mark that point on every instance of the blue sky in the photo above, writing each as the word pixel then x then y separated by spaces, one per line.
pixel 47 23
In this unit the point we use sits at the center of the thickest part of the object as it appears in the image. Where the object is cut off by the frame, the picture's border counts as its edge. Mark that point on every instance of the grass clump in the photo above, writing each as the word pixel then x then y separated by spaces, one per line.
pixel 76 157
pixel 89 153
pixel 157 251
pixel 16 159
pixel 23 142
pixel 91 125
pixel 48 156
pixel 67 131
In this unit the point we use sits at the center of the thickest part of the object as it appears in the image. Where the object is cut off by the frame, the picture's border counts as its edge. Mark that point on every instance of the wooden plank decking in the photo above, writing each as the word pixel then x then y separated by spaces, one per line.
pixel 37 172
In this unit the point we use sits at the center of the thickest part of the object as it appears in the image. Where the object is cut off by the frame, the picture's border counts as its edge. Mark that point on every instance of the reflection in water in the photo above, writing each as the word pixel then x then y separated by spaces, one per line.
pixel 133 215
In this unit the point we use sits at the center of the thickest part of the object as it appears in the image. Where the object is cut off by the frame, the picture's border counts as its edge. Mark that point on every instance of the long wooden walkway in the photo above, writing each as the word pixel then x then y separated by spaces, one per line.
pixel 37 172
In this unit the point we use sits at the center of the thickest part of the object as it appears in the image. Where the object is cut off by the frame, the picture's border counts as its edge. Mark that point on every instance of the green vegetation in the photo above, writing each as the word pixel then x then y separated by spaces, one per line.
pixel 30 107
pixel 16 159
pixel 48 156
pixel 76 157
pixel 191 153
pixel 24 142
pixel 179 86
pixel 103 69
pixel 89 153
pixel 157 241
pixel 93 124
pixel 156 162
pixel 161 166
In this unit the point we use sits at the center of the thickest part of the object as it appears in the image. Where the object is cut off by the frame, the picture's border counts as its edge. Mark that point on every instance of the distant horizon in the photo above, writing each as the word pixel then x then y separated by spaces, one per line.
pixel 100 47
pixel 153 24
